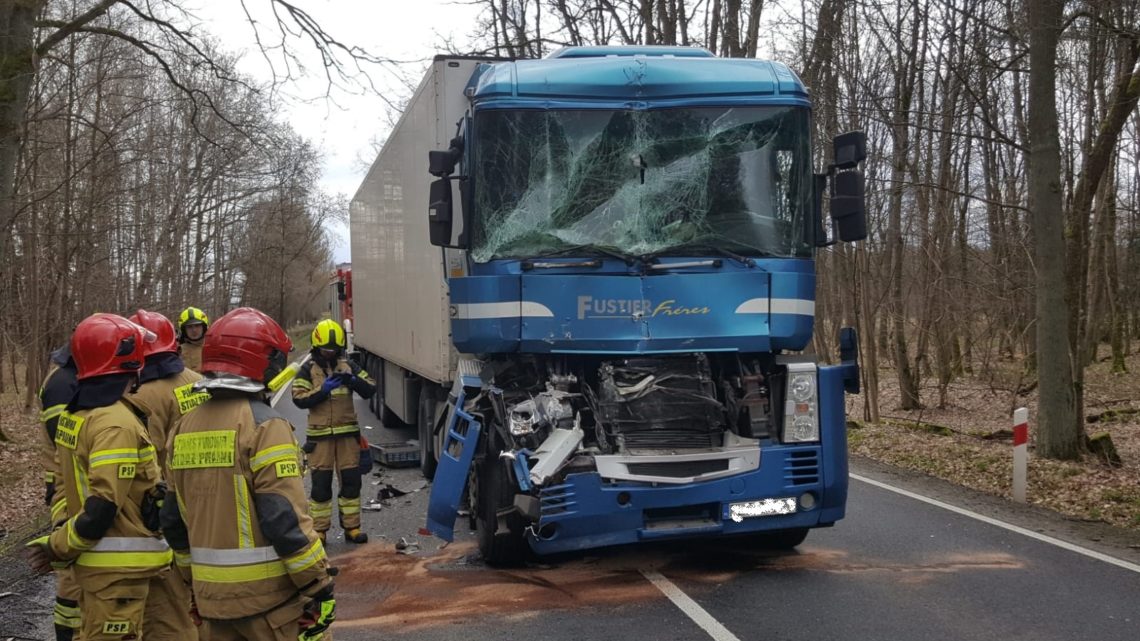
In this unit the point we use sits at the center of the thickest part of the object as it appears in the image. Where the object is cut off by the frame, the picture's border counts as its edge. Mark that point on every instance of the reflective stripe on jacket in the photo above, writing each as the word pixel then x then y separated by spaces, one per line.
pixel 238 521
pixel 336 414
pixel 163 402
pixel 105 452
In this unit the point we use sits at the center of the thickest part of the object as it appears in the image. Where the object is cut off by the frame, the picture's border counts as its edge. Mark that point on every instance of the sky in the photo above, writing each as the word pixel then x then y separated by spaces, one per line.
pixel 346 127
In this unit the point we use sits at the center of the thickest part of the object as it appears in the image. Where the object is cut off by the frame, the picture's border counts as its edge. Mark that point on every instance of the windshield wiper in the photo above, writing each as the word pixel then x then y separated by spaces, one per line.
pixel 628 259
pixel 720 251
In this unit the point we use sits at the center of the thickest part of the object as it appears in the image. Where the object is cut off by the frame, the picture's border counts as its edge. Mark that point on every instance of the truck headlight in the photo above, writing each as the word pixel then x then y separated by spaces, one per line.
pixel 801 418
pixel 801 387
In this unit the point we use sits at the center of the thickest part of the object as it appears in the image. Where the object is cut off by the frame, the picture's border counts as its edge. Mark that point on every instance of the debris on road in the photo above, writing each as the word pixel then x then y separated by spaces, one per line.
pixel 403 546
pixel 399 454
pixel 390 491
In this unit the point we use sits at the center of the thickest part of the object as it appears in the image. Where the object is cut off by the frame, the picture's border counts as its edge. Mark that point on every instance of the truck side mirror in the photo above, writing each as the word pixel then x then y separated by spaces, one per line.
pixel 442 163
pixel 439 212
pixel 848 208
pixel 340 295
pixel 850 149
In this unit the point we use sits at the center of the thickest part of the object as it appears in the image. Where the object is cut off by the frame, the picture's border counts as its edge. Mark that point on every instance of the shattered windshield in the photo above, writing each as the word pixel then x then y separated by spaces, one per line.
pixel 642 182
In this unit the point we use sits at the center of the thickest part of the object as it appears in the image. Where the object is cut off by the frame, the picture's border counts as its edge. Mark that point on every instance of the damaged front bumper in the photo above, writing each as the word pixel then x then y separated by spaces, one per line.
pixel 587 512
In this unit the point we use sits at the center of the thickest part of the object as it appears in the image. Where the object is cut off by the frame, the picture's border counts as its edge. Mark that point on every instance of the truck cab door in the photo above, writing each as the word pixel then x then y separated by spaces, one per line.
pixel 460 442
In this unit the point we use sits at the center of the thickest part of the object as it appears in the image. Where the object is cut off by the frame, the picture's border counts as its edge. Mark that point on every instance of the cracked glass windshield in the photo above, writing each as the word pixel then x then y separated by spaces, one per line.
pixel 642 182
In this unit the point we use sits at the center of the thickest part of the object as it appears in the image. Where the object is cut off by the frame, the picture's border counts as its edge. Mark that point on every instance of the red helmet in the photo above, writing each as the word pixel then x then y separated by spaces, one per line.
pixel 248 343
pixel 108 344
pixel 163 329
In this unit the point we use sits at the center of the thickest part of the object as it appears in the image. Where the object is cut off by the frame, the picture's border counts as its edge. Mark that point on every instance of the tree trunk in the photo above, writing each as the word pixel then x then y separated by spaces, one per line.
pixel 753 37
pixel 1056 434
pixel 900 129
pixel 1122 102
pixel 17 70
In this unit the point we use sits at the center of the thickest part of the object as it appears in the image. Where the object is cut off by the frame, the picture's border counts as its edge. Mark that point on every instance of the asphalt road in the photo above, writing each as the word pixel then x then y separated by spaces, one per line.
pixel 897 568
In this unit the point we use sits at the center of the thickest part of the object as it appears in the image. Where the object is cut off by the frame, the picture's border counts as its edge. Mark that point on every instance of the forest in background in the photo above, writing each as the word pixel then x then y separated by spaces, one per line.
pixel 150 173
pixel 1005 234
pixel 945 285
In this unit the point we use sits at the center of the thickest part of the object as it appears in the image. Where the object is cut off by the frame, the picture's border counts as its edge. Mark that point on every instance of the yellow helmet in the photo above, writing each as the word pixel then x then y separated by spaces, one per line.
pixel 192 315
pixel 328 335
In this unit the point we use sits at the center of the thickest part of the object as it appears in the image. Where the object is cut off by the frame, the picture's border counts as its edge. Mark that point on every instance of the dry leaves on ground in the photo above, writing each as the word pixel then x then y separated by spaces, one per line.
pixel 948 443
pixel 22 507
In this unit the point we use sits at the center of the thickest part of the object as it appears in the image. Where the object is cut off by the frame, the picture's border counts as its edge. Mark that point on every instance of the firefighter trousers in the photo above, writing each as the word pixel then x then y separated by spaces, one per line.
pixel 147 608
pixel 168 605
pixel 279 624
pixel 67 616
pixel 337 455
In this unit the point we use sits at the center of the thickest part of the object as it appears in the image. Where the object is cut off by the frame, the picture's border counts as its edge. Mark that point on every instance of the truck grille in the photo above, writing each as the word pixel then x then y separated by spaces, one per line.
pixel 801 468
pixel 664 439
pixel 678 470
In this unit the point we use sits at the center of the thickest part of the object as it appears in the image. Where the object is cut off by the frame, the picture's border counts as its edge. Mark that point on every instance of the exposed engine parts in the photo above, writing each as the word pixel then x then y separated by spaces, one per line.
pixel 559 415
pixel 660 404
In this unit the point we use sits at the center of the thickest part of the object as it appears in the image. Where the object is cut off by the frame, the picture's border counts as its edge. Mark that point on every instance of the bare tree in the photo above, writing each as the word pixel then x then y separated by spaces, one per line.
pixel 1057 433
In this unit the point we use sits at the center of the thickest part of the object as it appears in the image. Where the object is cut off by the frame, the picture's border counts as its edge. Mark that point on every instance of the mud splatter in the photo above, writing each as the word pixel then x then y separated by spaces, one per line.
pixel 378 587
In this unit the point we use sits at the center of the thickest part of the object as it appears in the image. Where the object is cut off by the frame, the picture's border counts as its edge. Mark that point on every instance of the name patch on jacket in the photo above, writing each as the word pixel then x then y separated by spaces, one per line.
pixel 67 430
pixel 188 399
pixel 203 449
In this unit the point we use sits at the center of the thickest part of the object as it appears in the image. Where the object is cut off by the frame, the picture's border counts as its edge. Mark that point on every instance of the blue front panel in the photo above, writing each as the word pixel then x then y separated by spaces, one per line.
pixel 485 314
pixel 640 314
pixel 585 512
pixel 576 323
pixel 792 309
pixel 702 309
pixel 615 310
pixel 833 432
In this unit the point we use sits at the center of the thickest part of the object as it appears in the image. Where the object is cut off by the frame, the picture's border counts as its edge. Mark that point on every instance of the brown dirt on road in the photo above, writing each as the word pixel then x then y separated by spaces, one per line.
pixel 379 587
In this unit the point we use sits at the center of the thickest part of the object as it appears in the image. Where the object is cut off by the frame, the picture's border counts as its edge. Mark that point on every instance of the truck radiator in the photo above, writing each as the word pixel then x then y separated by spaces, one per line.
pixel 660 403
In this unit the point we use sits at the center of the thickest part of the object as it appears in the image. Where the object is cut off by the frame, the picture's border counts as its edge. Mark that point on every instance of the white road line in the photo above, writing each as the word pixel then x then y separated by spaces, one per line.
pixel 1093 554
pixel 691 608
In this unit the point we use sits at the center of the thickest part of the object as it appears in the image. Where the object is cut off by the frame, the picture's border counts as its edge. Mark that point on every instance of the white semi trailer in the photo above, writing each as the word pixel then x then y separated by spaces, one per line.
pixel 400 300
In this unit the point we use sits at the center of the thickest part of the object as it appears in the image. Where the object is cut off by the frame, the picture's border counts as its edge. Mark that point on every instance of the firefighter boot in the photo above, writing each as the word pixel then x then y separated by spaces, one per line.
pixel 355 535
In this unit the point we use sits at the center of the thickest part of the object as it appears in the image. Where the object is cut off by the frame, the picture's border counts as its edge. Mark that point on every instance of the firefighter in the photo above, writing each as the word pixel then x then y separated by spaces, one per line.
pixel 235 514
pixel 55 393
pixel 324 387
pixel 165 393
pixel 192 326
pixel 111 483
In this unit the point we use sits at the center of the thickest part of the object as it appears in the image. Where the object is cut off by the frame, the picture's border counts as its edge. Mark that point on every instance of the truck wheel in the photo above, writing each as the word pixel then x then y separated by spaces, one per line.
pixel 426 431
pixel 783 539
pixel 499 526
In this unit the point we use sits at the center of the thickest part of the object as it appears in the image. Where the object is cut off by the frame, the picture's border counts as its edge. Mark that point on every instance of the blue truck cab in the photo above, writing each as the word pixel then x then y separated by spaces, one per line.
pixel 636 230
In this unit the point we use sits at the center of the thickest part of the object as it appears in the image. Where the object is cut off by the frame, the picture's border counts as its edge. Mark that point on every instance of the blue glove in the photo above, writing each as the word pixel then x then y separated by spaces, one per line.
pixel 330 384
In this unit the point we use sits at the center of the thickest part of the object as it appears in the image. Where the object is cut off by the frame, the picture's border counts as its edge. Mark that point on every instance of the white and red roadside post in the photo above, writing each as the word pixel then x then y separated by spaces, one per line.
pixel 1020 452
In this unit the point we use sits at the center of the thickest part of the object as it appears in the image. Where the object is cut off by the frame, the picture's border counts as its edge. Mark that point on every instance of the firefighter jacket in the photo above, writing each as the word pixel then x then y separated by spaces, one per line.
pixel 109 477
pixel 237 520
pixel 191 355
pixel 55 393
pixel 331 414
pixel 162 402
